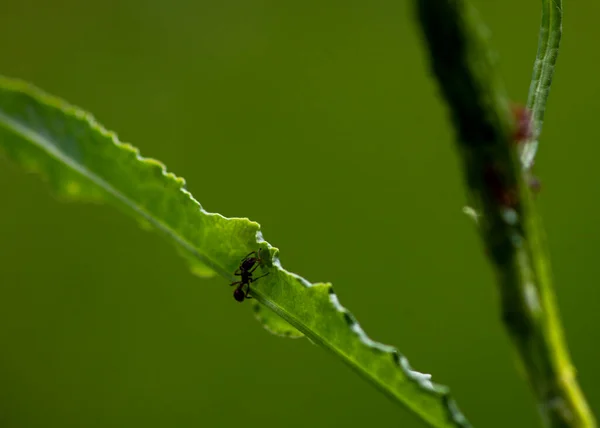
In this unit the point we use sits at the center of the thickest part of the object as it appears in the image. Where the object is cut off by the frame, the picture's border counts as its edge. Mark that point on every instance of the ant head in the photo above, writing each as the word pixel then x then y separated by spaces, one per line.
pixel 249 262
pixel 238 294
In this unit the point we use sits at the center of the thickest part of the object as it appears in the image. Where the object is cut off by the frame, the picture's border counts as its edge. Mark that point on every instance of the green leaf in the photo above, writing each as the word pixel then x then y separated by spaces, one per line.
pixel 543 72
pixel 84 161
pixel 274 323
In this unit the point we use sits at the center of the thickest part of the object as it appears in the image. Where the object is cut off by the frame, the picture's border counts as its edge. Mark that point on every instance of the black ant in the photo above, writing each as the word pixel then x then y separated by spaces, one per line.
pixel 247 266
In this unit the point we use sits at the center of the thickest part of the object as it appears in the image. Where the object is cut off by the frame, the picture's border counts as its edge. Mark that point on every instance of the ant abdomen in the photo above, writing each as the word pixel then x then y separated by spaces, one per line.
pixel 239 295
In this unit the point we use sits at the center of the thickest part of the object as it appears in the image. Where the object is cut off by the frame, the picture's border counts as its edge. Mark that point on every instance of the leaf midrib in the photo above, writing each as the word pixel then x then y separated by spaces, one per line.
pixel 36 138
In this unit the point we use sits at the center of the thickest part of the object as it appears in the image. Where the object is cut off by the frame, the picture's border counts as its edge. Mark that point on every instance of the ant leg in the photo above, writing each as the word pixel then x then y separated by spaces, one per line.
pixel 237 272
pixel 252 252
pixel 259 260
pixel 251 280
pixel 254 279
pixel 254 268
pixel 236 283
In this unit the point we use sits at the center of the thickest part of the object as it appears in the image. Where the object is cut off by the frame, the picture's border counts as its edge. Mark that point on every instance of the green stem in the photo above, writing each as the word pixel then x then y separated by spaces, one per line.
pixel 510 228
pixel 543 72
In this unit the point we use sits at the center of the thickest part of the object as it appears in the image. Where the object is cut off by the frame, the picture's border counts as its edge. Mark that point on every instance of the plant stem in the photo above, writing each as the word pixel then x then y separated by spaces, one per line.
pixel 510 227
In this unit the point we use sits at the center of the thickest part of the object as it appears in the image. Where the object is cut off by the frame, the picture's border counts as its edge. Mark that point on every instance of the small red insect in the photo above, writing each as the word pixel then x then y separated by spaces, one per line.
pixel 503 194
pixel 523 123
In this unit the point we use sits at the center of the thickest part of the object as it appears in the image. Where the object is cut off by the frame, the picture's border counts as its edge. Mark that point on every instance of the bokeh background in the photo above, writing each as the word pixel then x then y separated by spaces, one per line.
pixel 101 324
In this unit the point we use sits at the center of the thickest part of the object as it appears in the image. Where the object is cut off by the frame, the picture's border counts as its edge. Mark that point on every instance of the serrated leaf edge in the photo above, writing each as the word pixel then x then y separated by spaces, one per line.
pixel 421 379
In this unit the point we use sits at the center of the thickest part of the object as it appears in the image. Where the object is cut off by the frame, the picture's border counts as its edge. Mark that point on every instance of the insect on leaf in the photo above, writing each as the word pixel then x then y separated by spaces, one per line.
pixel 84 161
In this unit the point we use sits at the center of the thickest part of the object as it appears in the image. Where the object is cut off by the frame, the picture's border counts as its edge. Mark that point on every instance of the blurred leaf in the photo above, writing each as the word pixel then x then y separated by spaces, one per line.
pixel 466 69
pixel 84 161
pixel 543 71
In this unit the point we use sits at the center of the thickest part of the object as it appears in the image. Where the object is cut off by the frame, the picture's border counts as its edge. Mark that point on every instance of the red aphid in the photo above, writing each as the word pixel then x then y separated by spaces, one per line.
pixel 523 123
pixel 503 194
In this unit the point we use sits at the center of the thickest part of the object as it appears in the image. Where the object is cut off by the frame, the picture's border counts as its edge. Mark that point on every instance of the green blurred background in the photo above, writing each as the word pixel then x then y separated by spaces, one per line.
pixel 329 106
